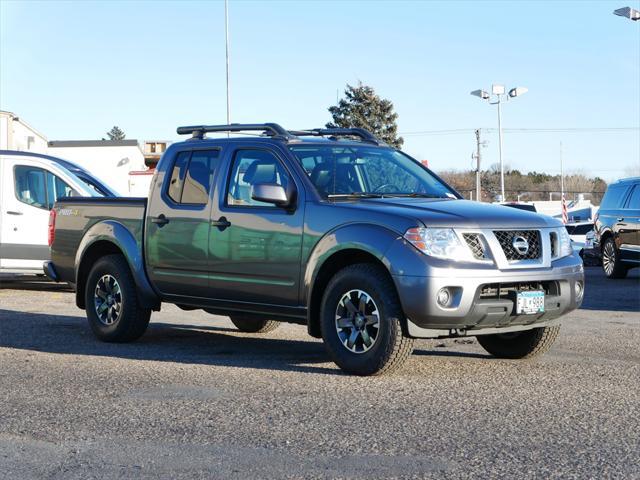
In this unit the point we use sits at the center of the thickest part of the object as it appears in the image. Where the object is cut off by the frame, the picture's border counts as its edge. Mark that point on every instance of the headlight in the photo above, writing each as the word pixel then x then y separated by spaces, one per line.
pixel 564 243
pixel 437 242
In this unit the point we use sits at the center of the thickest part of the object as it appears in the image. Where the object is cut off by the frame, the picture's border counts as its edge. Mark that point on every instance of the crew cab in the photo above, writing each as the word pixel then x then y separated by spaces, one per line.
pixel 329 228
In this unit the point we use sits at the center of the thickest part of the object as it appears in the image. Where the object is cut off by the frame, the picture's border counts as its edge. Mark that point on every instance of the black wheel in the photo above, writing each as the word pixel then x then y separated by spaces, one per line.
pixel 249 324
pixel 516 345
pixel 360 321
pixel 112 303
pixel 611 263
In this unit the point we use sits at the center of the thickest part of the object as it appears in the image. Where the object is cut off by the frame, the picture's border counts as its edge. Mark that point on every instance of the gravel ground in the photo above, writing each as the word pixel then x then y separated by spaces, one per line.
pixel 196 399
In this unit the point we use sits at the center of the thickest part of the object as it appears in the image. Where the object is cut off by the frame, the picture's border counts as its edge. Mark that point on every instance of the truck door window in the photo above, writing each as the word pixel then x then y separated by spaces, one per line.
pixel 191 177
pixel 251 167
pixel 30 186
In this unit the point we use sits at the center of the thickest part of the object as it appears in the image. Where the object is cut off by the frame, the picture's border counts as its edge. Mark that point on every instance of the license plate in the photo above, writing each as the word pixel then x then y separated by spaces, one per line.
pixel 588 244
pixel 530 303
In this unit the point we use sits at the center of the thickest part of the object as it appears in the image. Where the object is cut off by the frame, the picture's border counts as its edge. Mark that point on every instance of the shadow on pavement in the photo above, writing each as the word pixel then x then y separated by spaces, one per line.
pixel 617 295
pixel 31 282
pixel 163 343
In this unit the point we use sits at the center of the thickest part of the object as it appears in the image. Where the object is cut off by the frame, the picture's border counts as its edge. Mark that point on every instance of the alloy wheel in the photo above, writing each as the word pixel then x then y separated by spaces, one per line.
pixel 107 300
pixel 357 321
pixel 609 258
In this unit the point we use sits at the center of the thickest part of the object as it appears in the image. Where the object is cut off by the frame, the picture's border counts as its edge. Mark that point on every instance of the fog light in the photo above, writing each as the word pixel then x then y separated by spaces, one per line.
pixel 579 289
pixel 444 297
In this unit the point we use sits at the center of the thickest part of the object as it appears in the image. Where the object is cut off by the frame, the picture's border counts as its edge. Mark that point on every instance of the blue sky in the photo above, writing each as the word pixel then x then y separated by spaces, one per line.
pixel 74 69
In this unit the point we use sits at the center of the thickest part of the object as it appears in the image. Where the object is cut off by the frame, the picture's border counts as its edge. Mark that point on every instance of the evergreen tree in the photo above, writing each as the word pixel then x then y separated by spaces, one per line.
pixel 362 108
pixel 116 134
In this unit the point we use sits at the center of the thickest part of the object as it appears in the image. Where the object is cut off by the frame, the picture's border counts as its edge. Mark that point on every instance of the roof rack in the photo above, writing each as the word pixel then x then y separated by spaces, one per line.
pixel 271 129
pixel 276 131
pixel 365 135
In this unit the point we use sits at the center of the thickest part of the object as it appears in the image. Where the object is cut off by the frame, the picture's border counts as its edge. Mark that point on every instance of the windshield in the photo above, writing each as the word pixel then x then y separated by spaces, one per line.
pixel 345 171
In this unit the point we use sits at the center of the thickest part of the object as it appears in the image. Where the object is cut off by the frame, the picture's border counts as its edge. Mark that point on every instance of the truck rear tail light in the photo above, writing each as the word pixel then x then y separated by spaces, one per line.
pixel 52 227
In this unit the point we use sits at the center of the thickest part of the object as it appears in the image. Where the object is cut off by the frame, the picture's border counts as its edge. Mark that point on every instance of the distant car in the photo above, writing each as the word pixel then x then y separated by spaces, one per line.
pixel 86 177
pixel 617 228
pixel 578 233
pixel 521 206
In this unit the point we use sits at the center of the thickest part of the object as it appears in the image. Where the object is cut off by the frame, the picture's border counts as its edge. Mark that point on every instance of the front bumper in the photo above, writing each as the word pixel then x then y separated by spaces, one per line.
pixel 475 308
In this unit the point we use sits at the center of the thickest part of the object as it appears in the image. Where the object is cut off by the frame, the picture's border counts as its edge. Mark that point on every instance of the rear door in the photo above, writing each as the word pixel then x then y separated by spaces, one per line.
pixel 255 257
pixel 29 191
pixel 177 224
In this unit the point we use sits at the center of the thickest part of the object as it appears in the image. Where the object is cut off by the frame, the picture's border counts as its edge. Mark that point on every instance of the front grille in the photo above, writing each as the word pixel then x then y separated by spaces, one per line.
pixel 506 240
pixel 475 244
pixel 496 291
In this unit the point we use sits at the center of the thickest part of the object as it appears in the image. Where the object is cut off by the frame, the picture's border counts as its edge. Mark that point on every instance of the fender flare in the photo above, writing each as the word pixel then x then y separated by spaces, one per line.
pixel 369 238
pixel 120 236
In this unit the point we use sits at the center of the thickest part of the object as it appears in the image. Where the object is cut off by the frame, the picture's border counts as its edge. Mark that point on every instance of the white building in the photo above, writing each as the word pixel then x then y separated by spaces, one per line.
pixel 109 160
pixel 15 134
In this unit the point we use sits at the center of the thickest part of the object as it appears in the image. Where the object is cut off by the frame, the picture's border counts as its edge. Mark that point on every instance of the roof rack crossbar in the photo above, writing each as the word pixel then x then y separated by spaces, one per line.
pixel 271 129
pixel 365 135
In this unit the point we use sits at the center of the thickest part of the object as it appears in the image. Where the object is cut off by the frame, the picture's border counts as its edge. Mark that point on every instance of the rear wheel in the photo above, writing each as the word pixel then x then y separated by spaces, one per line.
pixel 111 302
pixel 517 345
pixel 360 321
pixel 611 263
pixel 249 324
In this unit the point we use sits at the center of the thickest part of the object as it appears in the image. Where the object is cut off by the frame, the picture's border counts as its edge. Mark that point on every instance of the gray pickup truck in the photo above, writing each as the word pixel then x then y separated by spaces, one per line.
pixel 329 228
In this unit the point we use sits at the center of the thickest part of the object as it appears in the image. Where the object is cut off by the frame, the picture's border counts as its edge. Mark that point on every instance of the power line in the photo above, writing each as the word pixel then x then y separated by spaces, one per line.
pixel 465 131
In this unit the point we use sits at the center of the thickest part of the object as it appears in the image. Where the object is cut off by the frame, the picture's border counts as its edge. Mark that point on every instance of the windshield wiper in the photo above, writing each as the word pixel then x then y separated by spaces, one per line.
pixel 415 195
pixel 355 195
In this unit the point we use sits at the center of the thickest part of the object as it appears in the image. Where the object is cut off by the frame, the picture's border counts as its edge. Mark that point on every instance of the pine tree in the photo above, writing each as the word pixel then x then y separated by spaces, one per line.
pixel 362 108
pixel 116 134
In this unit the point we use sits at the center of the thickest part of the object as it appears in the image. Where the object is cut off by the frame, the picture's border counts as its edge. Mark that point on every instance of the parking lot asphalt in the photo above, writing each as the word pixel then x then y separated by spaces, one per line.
pixel 194 398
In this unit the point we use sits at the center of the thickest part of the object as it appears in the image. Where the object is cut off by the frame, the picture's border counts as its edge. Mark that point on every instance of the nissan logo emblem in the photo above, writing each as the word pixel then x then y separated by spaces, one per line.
pixel 520 245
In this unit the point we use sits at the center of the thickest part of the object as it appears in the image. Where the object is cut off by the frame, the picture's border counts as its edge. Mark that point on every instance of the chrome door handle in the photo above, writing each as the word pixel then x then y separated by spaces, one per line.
pixel 221 223
pixel 160 220
pixel 11 212
pixel 620 219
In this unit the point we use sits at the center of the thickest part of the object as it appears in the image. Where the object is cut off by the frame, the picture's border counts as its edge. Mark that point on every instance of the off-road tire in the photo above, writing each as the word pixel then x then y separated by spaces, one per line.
pixel 519 345
pixel 248 324
pixel 616 269
pixel 391 348
pixel 133 319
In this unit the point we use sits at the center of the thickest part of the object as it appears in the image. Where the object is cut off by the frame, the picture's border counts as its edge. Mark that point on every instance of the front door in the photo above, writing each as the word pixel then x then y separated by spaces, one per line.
pixel 177 225
pixel 27 197
pixel 255 247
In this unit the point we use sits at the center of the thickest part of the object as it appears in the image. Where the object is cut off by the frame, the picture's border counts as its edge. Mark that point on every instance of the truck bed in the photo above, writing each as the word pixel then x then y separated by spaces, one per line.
pixel 76 216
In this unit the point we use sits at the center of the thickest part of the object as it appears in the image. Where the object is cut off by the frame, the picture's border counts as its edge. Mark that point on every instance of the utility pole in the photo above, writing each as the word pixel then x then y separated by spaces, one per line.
pixel 477 155
pixel 226 33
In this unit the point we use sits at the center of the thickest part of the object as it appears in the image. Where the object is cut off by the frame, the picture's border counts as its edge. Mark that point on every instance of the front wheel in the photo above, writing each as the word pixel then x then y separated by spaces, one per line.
pixel 360 321
pixel 111 301
pixel 518 345
pixel 611 263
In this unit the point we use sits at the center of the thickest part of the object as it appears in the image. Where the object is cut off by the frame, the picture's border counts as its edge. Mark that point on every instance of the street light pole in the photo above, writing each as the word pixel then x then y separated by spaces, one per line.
pixel 226 33
pixel 498 91
pixel 500 148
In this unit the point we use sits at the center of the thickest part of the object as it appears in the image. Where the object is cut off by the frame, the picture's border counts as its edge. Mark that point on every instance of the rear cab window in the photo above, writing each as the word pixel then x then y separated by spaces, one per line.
pixel 190 179
pixel 634 199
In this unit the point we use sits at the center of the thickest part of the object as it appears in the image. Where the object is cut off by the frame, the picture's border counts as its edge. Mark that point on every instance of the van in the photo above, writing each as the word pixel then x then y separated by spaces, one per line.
pixel 29 186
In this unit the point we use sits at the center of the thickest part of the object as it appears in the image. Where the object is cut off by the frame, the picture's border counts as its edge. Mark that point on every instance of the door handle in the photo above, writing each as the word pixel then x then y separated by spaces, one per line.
pixel 620 219
pixel 11 212
pixel 160 220
pixel 221 223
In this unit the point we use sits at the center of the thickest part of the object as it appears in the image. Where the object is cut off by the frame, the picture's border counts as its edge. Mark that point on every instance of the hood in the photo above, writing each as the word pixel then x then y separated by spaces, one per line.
pixel 442 212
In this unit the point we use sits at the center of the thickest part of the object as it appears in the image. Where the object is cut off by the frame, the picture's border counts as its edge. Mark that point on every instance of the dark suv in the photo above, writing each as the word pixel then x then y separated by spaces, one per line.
pixel 617 227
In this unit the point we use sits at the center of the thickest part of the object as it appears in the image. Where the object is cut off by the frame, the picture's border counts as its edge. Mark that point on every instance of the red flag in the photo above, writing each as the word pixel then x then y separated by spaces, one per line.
pixel 565 215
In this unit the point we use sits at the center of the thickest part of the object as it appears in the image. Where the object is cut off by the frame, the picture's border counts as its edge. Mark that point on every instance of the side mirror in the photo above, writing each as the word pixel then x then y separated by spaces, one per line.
pixel 270 193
